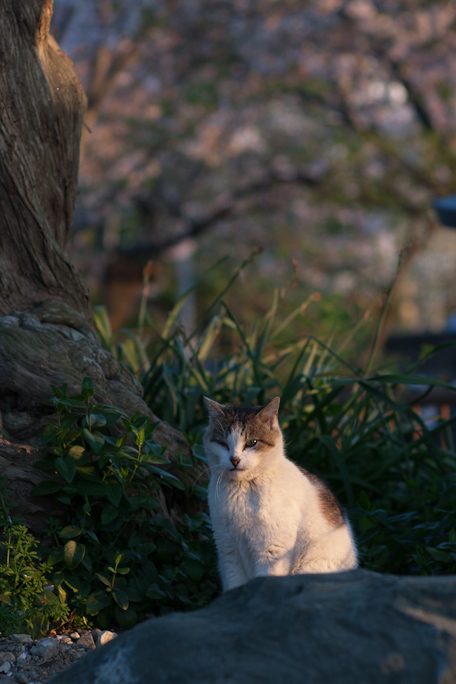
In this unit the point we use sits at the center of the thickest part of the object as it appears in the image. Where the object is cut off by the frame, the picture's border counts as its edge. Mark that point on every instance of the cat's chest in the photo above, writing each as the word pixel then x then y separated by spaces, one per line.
pixel 242 508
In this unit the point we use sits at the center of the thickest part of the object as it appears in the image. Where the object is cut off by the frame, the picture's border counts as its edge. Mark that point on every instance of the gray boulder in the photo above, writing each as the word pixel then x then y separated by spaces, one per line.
pixel 349 628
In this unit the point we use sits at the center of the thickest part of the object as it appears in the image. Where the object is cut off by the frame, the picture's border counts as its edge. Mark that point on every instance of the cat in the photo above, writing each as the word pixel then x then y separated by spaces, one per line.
pixel 269 516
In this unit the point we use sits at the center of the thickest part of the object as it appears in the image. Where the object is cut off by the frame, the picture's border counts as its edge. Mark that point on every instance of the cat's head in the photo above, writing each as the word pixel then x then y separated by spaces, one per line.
pixel 244 442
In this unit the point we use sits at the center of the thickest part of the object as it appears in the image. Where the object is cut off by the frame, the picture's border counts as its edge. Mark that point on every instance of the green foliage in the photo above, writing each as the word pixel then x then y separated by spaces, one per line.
pixel 357 429
pixel 120 556
pixel 27 600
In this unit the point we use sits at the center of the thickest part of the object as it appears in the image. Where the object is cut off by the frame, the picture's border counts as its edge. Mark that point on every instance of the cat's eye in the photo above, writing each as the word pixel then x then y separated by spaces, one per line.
pixel 222 444
pixel 251 443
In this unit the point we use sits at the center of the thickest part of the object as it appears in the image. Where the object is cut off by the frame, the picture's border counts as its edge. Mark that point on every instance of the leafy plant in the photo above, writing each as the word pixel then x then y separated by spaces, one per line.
pixel 121 555
pixel 361 430
pixel 27 600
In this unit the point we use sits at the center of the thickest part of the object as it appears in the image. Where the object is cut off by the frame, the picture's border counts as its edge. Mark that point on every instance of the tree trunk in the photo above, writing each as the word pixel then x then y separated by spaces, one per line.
pixel 46 332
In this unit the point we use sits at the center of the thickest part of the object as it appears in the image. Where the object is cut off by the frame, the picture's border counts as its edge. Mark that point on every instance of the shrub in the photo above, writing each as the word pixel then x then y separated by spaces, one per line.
pixel 27 602
pixel 121 555
pixel 357 429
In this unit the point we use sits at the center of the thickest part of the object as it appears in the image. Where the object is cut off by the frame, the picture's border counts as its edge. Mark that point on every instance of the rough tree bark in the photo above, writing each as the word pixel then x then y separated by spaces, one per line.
pixel 46 333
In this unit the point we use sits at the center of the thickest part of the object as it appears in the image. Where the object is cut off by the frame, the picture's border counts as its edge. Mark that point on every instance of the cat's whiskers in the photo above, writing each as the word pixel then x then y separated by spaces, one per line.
pixel 206 470
pixel 219 478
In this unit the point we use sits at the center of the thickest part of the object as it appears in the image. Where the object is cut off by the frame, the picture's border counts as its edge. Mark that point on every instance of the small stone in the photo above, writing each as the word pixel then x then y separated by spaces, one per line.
pixel 5 666
pixel 86 641
pixel 46 648
pixel 105 636
pixel 21 638
pixel 22 660
pixel 75 636
pixel 21 678
pixel 66 640
pixel 8 656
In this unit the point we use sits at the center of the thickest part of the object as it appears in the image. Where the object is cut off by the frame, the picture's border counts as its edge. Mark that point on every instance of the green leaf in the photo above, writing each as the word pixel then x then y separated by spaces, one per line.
pixel 97 601
pixel 94 420
pixel 153 453
pixel 87 388
pixel 448 496
pixel 155 593
pixel 76 452
pixel 55 556
pixel 49 433
pixel 113 492
pixel 89 473
pixel 88 488
pixel 73 553
pixel 121 598
pixel 93 439
pixel 108 514
pixel 66 468
pixel 46 488
pixel 194 568
pixel 46 463
pixel 167 477
pixel 70 532
pixel 69 420
pixel 126 618
pixel 199 452
pixel 438 555
pixel 140 435
pixel 60 392
pixel 77 585
pixel 103 578
pixel 87 563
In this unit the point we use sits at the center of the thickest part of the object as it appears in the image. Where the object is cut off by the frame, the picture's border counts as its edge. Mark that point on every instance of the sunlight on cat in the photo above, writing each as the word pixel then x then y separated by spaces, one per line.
pixel 270 517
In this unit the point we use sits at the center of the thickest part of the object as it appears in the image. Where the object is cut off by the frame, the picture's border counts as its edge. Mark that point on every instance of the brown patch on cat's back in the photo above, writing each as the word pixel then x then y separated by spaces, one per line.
pixel 331 508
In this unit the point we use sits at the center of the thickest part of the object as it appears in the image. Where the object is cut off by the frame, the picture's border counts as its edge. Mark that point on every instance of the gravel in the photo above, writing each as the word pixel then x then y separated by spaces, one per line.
pixel 24 660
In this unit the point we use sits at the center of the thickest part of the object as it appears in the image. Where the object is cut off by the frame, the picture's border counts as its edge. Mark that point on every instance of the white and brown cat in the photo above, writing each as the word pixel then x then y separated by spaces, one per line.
pixel 269 516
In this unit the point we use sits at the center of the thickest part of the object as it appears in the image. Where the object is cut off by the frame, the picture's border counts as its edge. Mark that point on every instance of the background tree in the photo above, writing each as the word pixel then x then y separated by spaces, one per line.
pixel 319 130
pixel 46 331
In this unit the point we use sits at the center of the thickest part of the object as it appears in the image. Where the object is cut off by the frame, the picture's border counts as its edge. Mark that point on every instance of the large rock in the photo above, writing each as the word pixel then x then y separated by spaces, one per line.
pixel 348 628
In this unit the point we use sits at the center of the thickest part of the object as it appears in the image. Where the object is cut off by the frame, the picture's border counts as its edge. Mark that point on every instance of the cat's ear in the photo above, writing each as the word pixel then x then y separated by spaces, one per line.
pixel 270 412
pixel 213 408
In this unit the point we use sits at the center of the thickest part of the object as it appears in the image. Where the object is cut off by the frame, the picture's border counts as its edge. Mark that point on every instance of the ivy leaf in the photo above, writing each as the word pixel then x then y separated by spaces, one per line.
pixel 113 492
pixel 168 477
pixel 108 514
pixel 103 578
pixel 70 532
pixel 126 618
pixel 155 593
pixel 76 452
pixel 94 420
pixel 49 433
pixel 94 439
pixel 73 553
pixel 45 488
pixel 194 568
pixel 87 388
pixel 66 468
pixel 120 598
pixel 97 601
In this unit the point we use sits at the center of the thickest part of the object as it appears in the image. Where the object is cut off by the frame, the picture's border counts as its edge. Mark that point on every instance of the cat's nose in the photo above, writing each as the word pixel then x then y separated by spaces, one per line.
pixel 234 460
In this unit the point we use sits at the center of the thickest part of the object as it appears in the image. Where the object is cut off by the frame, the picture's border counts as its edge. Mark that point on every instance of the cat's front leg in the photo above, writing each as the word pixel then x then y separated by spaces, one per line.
pixel 275 561
pixel 231 569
